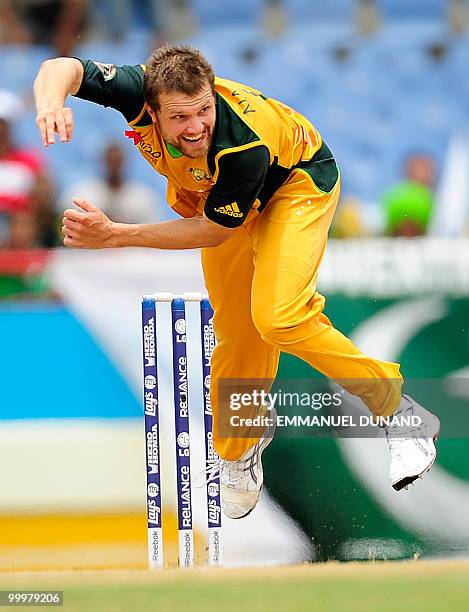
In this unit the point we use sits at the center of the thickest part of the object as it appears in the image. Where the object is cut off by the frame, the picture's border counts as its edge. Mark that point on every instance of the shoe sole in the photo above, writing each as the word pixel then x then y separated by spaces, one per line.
pixel 408 480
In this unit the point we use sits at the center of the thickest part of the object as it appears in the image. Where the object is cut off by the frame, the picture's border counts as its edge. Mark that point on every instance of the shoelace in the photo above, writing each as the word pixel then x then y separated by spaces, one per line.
pixel 255 456
pixel 209 473
pixel 253 460
pixel 238 471
pixel 212 470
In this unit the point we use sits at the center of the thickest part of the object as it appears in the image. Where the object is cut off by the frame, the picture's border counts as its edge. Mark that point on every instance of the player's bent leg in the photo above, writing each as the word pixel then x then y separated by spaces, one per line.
pixel 411 441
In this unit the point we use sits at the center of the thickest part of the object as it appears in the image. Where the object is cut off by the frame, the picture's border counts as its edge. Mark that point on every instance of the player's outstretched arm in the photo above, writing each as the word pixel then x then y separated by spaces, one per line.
pixel 56 79
pixel 89 228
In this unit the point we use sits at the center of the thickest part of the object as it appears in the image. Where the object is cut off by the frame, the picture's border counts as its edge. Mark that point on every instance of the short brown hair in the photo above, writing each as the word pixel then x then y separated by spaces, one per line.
pixel 181 69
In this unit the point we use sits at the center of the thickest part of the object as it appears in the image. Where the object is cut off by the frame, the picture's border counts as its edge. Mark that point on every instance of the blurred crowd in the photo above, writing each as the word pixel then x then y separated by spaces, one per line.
pixel 61 23
pixel 27 215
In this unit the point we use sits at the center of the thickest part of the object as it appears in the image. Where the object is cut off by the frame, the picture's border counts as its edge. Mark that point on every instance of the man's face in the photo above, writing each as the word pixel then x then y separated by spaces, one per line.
pixel 421 169
pixel 113 159
pixel 187 122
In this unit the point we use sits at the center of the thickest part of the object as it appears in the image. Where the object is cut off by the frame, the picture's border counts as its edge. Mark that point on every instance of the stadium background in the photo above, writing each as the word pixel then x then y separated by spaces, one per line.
pixel 381 80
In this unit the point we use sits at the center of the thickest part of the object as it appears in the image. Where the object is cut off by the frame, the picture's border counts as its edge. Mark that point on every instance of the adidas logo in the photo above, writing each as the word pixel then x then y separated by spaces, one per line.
pixel 231 209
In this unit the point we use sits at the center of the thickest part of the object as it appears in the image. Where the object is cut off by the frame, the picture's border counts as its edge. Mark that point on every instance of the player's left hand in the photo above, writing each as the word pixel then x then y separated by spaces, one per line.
pixel 88 228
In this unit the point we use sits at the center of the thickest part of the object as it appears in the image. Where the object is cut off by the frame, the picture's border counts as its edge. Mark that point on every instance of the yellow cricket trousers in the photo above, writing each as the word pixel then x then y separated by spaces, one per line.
pixel 262 286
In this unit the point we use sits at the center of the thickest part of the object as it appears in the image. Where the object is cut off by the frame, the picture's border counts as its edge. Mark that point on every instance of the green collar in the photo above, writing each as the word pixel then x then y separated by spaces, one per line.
pixel 173 151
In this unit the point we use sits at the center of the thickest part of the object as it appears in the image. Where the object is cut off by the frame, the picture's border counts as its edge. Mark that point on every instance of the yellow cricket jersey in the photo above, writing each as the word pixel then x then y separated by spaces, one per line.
pixel 257 142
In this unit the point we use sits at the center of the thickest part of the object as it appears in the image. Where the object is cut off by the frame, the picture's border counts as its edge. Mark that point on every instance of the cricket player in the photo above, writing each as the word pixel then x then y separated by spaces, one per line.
pixel 256 187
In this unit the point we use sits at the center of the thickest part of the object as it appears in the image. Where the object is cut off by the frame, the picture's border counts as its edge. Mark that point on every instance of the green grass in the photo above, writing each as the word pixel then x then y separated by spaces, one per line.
pixel 293 595
pixel 377 587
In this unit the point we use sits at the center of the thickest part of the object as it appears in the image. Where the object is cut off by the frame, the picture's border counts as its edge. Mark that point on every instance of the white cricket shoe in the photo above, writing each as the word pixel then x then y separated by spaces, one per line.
pixel 411 447
pixel 241 481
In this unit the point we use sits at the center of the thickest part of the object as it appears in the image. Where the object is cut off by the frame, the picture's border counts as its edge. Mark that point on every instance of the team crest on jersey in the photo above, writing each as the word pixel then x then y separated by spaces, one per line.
pixel 108 70
pixel 199 174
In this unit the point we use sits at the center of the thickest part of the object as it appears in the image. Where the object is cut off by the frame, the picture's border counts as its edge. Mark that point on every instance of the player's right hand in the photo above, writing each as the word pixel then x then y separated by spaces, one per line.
pixel 50 121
